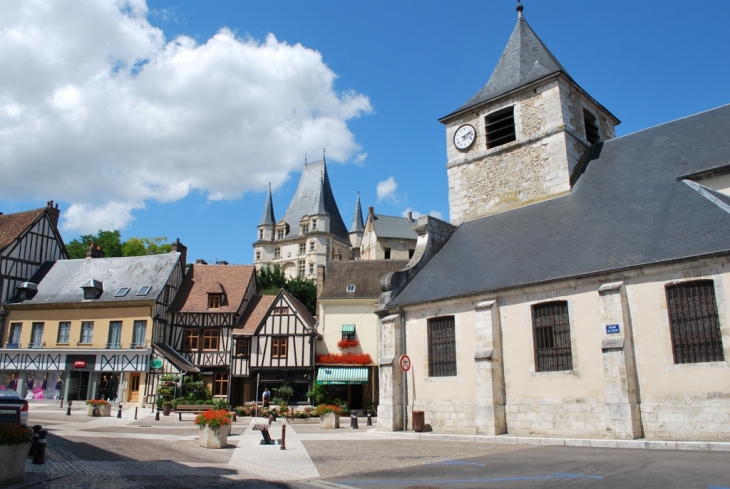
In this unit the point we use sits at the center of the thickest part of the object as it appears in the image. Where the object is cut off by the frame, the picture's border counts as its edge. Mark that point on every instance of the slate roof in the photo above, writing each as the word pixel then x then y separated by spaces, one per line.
pixel 314 196
pixel 62 282
pixel 13 225
pixel 627 209
pixel 394 227
pixel 365 275
pixel 199 280
pixel 268 217
pixel 357 224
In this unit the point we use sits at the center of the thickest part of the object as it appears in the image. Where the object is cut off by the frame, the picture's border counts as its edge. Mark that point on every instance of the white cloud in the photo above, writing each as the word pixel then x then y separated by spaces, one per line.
pixel 386 189
pixel 416 214
pixel 101 111
pixel 360 158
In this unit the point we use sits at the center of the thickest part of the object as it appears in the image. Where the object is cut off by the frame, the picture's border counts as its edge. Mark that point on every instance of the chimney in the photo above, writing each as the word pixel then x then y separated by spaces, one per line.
pixel 371 213
pixel 94 251
pixel 410 216
pixel 178 247
pixel 53 212
pixel 200 261
pixel 222 262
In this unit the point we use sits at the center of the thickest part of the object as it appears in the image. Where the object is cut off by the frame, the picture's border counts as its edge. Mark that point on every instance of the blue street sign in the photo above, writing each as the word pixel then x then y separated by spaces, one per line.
pixel 613 329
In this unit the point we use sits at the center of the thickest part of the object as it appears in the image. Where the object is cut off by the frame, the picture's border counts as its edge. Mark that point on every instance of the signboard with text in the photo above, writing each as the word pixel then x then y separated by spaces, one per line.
pixel 613 329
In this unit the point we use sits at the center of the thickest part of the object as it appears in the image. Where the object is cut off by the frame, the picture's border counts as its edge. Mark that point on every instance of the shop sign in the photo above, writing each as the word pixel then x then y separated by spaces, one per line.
pixel 155 364
pixel 79 363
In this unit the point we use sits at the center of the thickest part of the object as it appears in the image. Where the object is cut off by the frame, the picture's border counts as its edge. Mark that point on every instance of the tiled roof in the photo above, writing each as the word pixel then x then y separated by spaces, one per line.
pixel 254 314
pixel 365 275
pixel 200 279
pixel 13 225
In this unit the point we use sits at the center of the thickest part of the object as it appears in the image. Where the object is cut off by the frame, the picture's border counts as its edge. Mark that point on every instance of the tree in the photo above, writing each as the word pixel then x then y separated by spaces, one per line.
pixel 270 280
pixel 146 246
pixel 112 245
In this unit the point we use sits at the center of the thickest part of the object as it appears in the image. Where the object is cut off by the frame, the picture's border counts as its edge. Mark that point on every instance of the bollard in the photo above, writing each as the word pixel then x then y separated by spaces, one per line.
pixel 68 408
pixel 353 420
pixel 234 417
pixel 61 402
pixel 119 413
pixel 33 443
pixel 370 419
pixel 40 451
pixel 135 413
pixel 283 437
pixel 157 414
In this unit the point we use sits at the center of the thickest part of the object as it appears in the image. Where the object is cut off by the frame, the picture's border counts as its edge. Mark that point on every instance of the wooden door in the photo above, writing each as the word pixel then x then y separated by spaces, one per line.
pixel 134 387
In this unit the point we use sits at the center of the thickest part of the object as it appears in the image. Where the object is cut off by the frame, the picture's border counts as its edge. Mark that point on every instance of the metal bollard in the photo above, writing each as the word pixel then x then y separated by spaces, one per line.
pixel 40 451
pixel 157 414
pixel 353 420
pixel 33 443
pixel 283 437
pixel 234 416
pixel 370 419
pixel 135 413
pixel 119 413
pixel 68 408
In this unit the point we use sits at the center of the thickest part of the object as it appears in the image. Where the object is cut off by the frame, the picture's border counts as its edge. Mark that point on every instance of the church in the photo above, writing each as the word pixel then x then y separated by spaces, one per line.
pixel 579 289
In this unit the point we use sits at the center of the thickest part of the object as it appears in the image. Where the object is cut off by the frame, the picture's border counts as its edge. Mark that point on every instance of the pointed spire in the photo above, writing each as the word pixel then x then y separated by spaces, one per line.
pixel 268 218
pixel 357 223
pixel 524 60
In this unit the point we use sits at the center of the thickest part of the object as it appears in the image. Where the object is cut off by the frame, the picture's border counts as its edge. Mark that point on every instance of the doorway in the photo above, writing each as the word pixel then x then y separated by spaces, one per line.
pixel 78 385
pixel 134 387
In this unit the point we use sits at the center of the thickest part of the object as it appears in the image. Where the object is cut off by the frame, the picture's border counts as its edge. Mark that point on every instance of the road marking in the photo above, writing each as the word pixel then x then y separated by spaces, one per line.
pixel 455 462
pixel 556 475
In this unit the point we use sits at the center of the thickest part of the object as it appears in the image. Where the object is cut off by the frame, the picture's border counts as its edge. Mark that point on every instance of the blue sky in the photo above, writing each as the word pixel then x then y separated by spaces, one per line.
pixel 399 66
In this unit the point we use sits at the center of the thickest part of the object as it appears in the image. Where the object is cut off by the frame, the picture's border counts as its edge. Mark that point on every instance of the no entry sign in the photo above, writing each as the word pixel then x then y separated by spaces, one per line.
pixel 405 363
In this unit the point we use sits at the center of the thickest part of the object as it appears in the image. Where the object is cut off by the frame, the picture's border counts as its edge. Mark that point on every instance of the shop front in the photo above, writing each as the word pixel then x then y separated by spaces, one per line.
pixel 354 385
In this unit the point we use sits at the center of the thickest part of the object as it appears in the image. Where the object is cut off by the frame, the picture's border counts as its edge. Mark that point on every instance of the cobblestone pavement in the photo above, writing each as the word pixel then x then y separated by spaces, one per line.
pixel 86 452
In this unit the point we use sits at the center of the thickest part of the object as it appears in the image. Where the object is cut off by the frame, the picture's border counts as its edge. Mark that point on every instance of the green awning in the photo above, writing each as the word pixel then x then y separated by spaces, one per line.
pixel 342 375
pixel 348 328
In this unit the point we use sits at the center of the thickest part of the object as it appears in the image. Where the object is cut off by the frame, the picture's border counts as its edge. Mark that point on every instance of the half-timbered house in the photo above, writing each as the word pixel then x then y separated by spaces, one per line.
pixel 210 302
pixel 85 328
pixel 27 239
pixel 273 346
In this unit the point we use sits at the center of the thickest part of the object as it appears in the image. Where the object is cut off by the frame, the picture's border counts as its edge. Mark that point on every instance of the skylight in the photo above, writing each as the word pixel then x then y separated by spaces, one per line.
pixel 144 290
pixel 122 292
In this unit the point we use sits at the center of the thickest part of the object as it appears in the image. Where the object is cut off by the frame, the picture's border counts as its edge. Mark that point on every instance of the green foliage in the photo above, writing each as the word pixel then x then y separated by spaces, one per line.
pixel 270 280
pixel 319 393
pixel 112 245
pixel 220 403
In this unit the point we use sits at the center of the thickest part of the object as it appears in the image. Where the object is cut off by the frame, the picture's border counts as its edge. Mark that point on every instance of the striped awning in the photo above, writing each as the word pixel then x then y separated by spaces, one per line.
pixel 348 328
pixel 342 375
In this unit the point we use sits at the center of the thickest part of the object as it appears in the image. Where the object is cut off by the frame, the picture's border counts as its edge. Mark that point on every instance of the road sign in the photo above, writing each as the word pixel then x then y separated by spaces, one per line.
pixel 405 363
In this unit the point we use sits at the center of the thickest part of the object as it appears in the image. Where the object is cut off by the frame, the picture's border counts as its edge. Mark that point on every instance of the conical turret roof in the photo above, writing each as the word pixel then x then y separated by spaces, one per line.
pixel 268 218
pixel 357 223
pixel 525 59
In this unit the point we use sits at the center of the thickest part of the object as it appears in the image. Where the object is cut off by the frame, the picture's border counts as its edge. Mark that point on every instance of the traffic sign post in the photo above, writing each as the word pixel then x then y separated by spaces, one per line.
pixel 405 363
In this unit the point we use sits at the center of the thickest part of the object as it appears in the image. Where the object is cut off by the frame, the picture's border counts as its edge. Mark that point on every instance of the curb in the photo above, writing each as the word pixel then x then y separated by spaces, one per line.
pixel 568 442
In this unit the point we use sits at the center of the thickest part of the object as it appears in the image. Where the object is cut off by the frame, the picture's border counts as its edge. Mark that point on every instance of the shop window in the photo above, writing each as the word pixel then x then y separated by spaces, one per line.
pixel 551 333
pixel 115 335
pixel 220 387
pixel 36 336
pixel 14 338
pixel 241 347
pixel 210 339
pixel 442 347
pixel 694 323
pixel 139 331
pixel 64 331
pixel 87 332
pixel 279 347
pixel 191 339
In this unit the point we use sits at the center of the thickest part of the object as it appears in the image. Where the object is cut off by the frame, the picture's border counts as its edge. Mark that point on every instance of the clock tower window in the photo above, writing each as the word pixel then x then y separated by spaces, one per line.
pixel 500 127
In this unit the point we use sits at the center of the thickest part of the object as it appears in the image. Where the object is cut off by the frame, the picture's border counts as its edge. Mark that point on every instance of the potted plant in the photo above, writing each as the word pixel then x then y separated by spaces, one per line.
pixel 14 446
pixel 98 407
pixel 329 416
pixel 215 426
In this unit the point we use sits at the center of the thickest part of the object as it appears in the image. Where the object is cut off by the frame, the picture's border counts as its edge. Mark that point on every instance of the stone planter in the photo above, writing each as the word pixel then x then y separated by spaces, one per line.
pixel 13 459
pixel 103 410
pixel 329 421
pixel 214 437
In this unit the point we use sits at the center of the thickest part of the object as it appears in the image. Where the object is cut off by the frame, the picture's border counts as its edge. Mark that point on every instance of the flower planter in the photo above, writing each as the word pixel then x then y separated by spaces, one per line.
pixel 166 408
pixel 214 437
pixel 329 421
pixel 103 410
pixel 13 459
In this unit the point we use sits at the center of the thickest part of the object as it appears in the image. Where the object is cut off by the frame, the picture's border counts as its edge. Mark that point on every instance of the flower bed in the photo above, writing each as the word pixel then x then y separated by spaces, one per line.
pixel 215 426
pixel 14 446
pixel 97 402
pixel 342 344
pixel 102 407
pixel 14 434
pixel 344 359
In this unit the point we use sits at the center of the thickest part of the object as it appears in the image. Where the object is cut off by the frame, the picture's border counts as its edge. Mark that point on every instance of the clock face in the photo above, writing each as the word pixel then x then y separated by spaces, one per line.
pixel 465 136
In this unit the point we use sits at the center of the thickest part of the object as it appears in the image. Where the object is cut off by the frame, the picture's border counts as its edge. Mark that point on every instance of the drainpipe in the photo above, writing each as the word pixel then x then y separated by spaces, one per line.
pixel 404 383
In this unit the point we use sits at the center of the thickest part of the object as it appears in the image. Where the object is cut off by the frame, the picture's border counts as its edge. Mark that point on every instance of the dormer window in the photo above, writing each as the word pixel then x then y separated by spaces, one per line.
pixel 305 229
pixel 26 291
pixel 214 301
pixel 92 289
pixel 279 234
pixel 350 288
pixel 593 135
pixel 500 127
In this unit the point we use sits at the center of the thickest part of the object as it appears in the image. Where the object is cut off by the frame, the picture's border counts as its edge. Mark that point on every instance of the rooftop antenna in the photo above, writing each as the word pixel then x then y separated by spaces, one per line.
pixel 520 8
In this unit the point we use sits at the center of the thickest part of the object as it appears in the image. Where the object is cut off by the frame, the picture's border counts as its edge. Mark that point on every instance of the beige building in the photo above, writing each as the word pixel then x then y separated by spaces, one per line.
pixel 600 310
pixel 387 237
pixel 85 329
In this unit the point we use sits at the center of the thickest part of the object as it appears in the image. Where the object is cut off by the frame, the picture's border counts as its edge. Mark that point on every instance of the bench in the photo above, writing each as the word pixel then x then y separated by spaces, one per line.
pixel 192 409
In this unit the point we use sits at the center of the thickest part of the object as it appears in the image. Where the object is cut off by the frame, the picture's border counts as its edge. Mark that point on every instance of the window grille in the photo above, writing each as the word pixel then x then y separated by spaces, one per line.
pixel 64 330
pixel 500 127
pixel 591 126
pixel 694 323
pixel 551 332
pixel 442 347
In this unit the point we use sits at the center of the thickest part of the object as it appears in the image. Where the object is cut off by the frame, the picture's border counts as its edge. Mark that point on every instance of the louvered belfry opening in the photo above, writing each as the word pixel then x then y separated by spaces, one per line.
pixel 500 127
pixel 551 331
pixel 441 347
pixel 694 323
pixel 591 126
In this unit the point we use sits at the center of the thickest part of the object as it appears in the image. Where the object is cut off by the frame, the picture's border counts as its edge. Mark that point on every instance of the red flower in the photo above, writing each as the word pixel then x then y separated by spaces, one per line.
pixel 347 344
pixel 213 418
pixel 345 359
